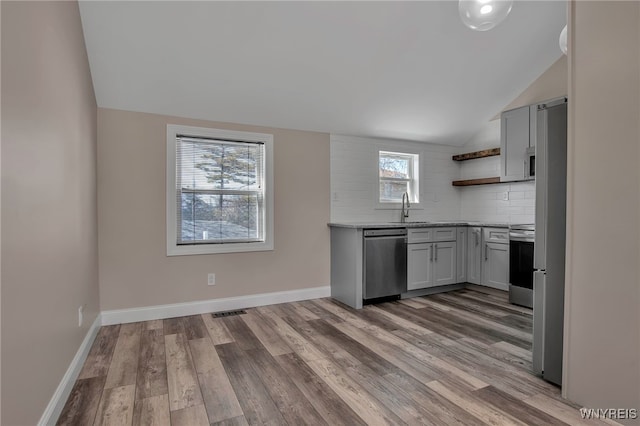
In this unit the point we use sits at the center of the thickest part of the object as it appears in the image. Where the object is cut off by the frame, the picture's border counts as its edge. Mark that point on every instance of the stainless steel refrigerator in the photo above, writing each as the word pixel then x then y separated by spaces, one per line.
pixel 549 249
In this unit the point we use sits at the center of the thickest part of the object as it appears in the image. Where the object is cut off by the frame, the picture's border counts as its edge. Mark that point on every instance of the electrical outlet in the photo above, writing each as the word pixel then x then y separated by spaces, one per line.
pixel 505 195
pixel 211 279
pixel 80 315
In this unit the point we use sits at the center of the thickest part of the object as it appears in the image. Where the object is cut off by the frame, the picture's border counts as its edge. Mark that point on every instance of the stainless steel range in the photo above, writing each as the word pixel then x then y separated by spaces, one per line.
pixel 521 242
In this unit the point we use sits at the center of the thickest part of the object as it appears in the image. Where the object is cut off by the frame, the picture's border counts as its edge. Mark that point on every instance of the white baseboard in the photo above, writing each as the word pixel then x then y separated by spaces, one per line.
pixel 121 316
pixel 60 396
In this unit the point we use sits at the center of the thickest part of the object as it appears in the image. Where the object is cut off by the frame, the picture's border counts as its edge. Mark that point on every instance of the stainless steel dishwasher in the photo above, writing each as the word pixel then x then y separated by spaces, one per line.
pixel 385 263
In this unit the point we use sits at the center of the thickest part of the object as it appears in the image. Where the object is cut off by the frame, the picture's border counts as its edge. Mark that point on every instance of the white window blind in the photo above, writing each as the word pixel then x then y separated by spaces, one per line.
pixel 220 191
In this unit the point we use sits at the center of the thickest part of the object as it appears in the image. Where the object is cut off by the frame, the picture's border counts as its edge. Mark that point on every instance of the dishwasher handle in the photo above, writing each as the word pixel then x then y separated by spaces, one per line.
pixel 376 233
pixel 388 237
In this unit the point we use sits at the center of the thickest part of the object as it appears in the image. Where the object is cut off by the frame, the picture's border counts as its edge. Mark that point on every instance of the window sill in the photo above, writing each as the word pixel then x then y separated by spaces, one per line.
pixel 186 250
pixel 397 206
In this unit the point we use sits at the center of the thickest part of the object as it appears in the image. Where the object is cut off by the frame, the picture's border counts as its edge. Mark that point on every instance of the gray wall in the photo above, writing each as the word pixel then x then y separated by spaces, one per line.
pixel 49 208
pixel 134 268
pixel 602 321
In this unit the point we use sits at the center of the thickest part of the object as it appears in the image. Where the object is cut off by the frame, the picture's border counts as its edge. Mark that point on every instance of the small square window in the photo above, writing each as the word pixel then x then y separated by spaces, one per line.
pixel 398 173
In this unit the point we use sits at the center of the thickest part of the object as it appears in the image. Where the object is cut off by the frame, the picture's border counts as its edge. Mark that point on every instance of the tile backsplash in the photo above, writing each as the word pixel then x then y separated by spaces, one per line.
pixel 354 182
pixel 501 203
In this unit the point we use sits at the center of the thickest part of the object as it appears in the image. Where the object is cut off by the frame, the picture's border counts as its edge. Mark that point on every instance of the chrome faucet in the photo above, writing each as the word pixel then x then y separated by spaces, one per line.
pixel 405 211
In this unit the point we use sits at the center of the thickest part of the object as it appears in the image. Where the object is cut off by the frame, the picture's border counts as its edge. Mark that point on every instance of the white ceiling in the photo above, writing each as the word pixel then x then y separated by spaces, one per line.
pixel 404 70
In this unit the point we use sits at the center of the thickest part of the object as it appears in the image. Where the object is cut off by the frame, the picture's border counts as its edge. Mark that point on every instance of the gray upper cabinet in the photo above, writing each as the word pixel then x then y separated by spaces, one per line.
pixel 515 138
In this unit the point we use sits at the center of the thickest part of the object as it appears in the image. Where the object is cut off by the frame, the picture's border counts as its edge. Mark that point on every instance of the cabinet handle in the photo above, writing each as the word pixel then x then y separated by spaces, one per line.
pixel 431 257
pixel 435 252
pixel 486 250
pixel 477 234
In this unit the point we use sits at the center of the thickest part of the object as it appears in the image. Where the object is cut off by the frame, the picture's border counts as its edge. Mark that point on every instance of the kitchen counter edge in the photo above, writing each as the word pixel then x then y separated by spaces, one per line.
pixel 376 225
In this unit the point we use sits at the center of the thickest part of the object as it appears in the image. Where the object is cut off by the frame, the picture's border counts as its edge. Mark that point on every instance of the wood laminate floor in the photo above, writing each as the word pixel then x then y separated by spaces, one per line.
pixel 462 357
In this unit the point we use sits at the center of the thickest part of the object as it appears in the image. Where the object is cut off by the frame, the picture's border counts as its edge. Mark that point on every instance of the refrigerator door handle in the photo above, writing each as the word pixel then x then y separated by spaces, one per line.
pixel 539 283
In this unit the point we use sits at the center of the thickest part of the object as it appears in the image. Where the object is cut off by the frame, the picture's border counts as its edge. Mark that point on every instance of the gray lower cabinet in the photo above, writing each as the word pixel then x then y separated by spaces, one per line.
pixel 419 266
pixel 495 267
pixel 431 264
pixel 461 255
pixel 436 257
pixel 474 255
pixel 444 263
pixel 347 259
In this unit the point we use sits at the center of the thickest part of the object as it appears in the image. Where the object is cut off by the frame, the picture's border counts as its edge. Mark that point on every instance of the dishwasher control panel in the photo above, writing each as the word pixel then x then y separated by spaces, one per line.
pixel 385 232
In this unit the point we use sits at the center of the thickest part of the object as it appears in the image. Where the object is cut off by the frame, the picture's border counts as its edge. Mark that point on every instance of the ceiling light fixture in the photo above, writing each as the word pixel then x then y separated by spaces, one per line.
pixel 487 8
pixel 563 40
pixel 482 15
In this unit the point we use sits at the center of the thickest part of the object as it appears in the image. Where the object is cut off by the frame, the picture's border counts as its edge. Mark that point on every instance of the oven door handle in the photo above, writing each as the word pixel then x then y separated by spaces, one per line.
pixel 522 238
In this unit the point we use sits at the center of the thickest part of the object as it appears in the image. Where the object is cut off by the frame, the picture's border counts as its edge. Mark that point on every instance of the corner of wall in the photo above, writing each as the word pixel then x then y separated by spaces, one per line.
pixel 0 215
pixel 58 400
pixel 49 270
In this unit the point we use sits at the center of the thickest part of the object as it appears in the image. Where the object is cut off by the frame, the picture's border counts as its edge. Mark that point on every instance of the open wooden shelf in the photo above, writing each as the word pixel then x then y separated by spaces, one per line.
pixel 477 154
pixel 471 156
pixel 470 182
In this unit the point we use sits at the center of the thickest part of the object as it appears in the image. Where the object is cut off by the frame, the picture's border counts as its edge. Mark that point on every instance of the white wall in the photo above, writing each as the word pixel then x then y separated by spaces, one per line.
pixel 354 171
pixel 487 202
pixel 354 180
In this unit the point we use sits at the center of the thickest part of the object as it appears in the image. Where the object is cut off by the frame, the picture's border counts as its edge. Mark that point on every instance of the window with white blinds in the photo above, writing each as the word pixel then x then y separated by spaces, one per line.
pixel 221 191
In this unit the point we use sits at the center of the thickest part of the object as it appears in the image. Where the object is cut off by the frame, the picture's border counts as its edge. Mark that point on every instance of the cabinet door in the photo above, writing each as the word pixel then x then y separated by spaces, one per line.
pixel 461 255
pixel 474 255
pixel 419 266
pixel 514 141
pixel 495 271
pixel 444 263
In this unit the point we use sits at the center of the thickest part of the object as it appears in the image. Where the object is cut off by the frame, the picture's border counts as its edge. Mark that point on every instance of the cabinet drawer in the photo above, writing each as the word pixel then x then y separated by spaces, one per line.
pixel 444 234
pixel 419 235
pixel 496 235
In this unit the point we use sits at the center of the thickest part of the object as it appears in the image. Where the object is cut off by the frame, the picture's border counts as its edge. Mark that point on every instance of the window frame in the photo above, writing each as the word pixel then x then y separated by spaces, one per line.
pixel 414 181
pixel 173 248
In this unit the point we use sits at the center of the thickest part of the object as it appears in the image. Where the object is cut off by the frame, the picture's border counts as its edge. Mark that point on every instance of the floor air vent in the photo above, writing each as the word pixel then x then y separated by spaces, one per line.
pixel 228 313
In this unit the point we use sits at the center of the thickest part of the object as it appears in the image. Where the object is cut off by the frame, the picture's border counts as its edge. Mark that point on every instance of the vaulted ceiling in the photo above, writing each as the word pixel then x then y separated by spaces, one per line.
pixel 405 70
